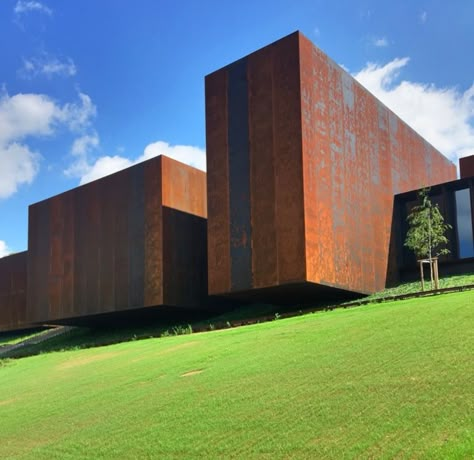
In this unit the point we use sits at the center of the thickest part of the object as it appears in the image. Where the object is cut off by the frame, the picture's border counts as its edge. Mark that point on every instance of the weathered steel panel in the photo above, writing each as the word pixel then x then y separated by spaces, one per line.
pixel 80 258
pixel 107 244
pixel 324 146
pixel 153 234
pixel 218 183
pixel 90 245
pixel 39 264
pixel 239 177
pixel 13 283
pixel 184 258
pixel 183 187
pixel 466 166
pixel 121 186
pixel 136 225
pixel 262 173
pixel 56 265
pixel 288 161
pixel 68 255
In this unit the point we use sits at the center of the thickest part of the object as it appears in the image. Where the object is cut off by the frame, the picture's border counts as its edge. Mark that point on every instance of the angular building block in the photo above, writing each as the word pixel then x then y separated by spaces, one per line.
pixel 131 240
pixel 13 292
pixel 303 164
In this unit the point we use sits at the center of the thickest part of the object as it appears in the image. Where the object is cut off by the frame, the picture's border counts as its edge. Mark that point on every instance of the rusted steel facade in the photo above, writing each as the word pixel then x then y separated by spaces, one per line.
pixel 134 239
pixel 303 164
pixel 13 292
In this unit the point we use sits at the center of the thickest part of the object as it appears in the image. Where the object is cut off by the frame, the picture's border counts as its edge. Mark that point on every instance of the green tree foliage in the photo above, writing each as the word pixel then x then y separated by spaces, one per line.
pixel 426 236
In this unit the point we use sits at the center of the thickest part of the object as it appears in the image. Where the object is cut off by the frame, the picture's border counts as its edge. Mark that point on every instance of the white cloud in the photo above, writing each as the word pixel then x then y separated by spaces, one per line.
pixel 47 66
pixel 26 6
pixel 84 144
pixel 26 114
pixel 317 32
pixel 80 149
pixel 443 116
pixel 193 156
pixel 381 42
pixel 423 17
pixel 78 116
pixel 4 249
pixel 19 165
pixel 23 116
pixel 37 115
pixel 103 166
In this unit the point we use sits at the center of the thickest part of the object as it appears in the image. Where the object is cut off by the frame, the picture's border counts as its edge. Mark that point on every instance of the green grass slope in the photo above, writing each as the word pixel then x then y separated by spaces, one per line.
pixel 389 380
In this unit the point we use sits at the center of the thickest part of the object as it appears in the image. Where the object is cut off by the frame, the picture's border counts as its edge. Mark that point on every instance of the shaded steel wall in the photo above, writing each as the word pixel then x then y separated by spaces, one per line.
pixel 184 234
pixel 101 247
pixel 13 291
pixel 466 166
pixel 303 164
pixel 403 263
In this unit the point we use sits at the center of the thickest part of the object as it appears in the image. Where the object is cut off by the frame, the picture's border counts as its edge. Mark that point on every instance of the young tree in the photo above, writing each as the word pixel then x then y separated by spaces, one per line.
pixel 426 235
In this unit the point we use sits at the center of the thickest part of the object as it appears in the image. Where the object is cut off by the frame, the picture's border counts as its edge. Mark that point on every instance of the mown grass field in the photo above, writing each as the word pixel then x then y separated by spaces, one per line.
pixel 379 381
pixel 415 286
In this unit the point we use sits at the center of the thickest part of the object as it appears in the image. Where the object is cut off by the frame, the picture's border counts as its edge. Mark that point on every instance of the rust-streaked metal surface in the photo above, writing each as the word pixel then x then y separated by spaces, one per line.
pixel 466 166
pixel 108 246
pixel 183 187
pixel 13 291
pixel 356 154
pixel 217 183
pixel 325 159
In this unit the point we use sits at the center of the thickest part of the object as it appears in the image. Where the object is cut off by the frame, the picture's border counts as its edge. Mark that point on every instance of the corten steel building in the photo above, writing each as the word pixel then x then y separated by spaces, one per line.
pixel 455 200
pixel 129 241
pixel 303 164
pixel 13 292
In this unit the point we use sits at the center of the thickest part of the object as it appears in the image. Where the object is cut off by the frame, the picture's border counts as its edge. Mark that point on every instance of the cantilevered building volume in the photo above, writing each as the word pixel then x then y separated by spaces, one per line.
pixel 303 164
pixel 130 241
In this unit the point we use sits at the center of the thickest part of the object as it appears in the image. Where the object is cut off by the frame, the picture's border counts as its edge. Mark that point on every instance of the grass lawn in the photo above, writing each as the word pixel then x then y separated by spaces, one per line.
pixel 388 380
pixel 415 286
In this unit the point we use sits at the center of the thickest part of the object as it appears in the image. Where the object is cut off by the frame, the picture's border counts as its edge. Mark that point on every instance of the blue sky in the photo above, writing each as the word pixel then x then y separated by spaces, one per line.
pixel 88 87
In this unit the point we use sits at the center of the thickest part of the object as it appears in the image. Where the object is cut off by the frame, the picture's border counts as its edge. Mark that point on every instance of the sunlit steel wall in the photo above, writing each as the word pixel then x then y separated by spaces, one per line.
pixel 134 239
pixel 13 291
pixel 303 164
